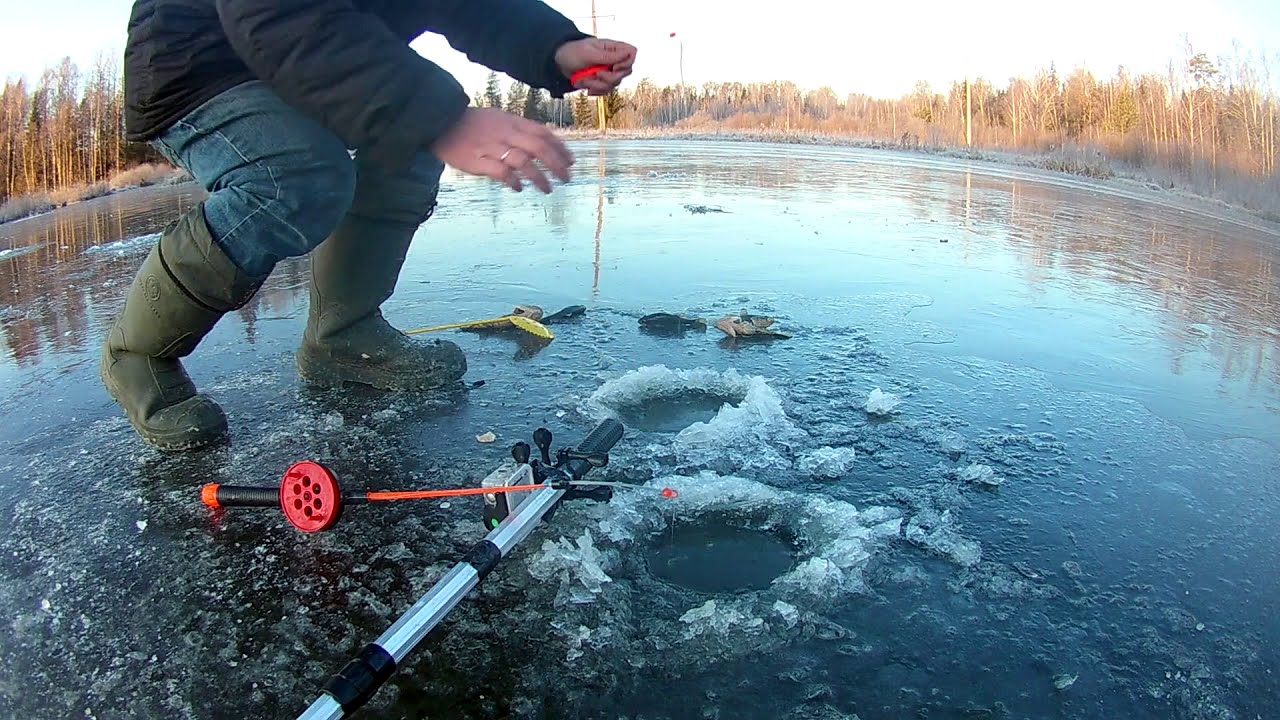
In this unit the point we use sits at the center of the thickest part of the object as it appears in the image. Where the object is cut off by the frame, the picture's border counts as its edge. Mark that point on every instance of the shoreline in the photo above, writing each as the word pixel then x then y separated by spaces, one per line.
pixel 1086 166
pixel 43 203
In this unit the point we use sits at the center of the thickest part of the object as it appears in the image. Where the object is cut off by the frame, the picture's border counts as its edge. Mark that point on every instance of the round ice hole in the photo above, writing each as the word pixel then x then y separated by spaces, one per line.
pixel 711 557
pixel 306 496
pixel 297 489
pixel 673 412
pixel 318 504
pixel 316 488
pixel 297 504
pixel 307 511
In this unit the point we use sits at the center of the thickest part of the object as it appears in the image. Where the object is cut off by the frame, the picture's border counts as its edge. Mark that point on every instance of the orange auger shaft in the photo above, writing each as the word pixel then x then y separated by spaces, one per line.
pixel 456 492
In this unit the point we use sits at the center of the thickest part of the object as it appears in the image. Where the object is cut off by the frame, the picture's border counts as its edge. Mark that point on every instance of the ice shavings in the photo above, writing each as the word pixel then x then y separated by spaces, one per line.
pixel 579 636
pixel 881 403
pixel 933 530
pixel 828 462
pixel 756 422
pixel 654 623
pixel 979 474
pixel 816 575
pixel 713 618
pixel 836 539
pixel 578 566
pixel 635 387
pixel 788 612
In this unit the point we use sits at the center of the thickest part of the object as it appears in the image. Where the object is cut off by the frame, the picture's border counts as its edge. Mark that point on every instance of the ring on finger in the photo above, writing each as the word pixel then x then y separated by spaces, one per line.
pixel 505 154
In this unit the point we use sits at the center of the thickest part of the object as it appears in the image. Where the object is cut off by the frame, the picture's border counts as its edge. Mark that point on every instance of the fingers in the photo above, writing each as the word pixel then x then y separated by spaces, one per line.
pixel 491 167
pixel 508 149
pixel 540 143
pixel 614 77
pixel 597 85
pixel 619 56
pixel 613 52
pixel 605 81
pixel 626 63
pixel 518 159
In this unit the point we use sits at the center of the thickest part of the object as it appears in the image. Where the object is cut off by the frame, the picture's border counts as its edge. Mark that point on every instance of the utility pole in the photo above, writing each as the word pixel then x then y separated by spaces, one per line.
pixel 680 98
pixel 968 114
pixel 599 99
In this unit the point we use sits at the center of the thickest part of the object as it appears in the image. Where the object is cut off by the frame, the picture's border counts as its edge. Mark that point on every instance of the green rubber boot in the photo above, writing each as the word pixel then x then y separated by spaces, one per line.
pixel 347 339
pixel 184 286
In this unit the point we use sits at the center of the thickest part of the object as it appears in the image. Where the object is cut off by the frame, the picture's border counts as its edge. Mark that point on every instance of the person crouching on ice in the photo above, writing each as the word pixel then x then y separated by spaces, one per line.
pixel 315 128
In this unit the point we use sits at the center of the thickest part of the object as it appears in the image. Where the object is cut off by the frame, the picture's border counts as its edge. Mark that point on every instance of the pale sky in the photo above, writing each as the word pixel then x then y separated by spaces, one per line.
pixel 879 48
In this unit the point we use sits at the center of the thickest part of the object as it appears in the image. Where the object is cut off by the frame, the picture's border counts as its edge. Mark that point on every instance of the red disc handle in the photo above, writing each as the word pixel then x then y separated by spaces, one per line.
pixel 310 498
pixel 585 73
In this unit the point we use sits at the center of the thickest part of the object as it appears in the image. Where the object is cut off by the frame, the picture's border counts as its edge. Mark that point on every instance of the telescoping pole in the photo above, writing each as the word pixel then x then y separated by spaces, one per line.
pixel 351 688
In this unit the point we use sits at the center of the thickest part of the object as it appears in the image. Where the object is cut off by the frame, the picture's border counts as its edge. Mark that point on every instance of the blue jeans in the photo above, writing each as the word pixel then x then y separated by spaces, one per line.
pixel 279 182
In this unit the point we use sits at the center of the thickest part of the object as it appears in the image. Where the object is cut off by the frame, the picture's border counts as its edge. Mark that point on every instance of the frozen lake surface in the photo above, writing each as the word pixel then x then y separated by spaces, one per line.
pixel 1065 507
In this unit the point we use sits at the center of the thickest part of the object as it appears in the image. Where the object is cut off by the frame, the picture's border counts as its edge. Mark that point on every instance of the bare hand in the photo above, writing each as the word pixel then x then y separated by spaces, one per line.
pixel 502 146
pixel 581 54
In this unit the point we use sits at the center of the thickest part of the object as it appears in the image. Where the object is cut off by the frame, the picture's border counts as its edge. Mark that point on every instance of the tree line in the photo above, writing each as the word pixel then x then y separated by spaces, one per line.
pixel 66 130
pixel 1213 121
pixel 578 110
pixel 1206 124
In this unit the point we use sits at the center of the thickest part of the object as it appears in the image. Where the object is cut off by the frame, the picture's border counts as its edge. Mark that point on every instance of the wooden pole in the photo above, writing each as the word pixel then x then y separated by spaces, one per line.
pixel 599 99
pixel 968 114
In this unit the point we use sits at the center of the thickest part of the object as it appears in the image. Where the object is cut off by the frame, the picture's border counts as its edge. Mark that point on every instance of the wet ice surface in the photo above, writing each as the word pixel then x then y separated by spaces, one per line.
pixel 1021 447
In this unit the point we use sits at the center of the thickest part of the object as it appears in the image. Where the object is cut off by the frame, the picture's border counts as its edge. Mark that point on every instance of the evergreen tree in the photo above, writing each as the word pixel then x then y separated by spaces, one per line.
pixel 613 104
pixel 584 110
pixel 533 108
pixel 516 96
pixel 492 91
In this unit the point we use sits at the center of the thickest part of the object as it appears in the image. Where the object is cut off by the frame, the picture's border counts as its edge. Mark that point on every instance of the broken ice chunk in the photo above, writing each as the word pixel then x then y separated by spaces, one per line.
pixel 933 530
pixel 980 474
pixel 881 403
pixel 579 568
pixel 789 614
pixel 828 462
pixel 702 612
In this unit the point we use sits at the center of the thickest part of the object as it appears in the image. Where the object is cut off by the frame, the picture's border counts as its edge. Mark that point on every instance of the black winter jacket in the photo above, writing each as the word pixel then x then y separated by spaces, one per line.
pixel 346 63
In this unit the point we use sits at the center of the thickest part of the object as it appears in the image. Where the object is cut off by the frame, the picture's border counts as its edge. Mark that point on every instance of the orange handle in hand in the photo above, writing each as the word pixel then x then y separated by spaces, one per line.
pixel 585 73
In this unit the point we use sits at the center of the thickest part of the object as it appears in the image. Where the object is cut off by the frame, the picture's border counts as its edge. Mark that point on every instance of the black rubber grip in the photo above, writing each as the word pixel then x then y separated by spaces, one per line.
pixel 484 557
pixel 599 441
pixel 361 678
pixel 242 496
pixel 602 438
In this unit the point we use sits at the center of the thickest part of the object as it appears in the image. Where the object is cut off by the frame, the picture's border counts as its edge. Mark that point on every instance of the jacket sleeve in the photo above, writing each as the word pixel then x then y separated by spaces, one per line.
pixel 348 70
pixel 516 37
